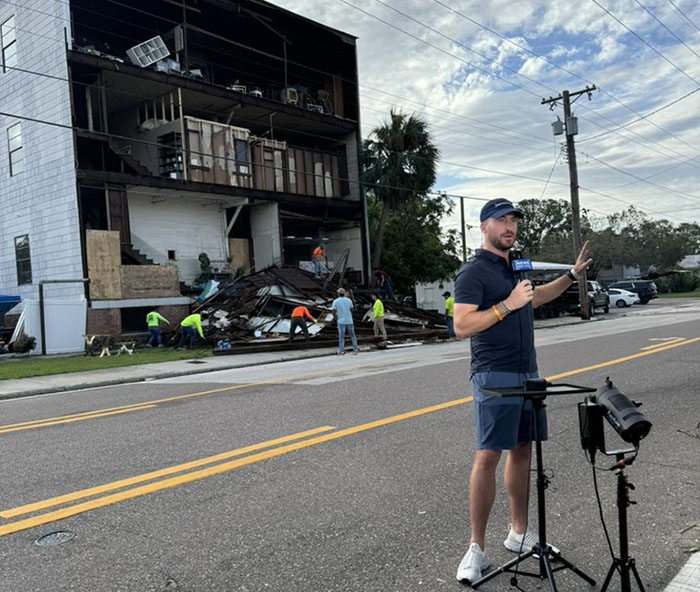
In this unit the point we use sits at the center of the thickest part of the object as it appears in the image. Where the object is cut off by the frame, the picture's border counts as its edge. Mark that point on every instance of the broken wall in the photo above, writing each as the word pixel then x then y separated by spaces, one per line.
pixel 347 238
pixel 266 232
pixel 187 227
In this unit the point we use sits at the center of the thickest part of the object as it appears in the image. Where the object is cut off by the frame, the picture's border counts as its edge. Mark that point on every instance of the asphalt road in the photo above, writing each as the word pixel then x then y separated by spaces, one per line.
pixel 343 473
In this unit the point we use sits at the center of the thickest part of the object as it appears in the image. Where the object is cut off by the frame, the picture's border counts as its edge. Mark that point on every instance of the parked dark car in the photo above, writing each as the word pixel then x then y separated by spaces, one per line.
pixel 646 289
pixel 597 298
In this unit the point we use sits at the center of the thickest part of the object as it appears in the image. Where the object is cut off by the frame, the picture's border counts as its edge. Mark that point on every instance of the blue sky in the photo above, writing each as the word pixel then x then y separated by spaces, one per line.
pixel 487 116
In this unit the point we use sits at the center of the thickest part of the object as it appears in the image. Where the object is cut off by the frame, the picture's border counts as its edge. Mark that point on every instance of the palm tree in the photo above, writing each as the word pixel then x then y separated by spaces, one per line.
pixel 400 162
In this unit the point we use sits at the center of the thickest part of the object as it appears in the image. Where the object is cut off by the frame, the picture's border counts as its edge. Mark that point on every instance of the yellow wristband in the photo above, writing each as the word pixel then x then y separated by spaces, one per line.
pixel 495 311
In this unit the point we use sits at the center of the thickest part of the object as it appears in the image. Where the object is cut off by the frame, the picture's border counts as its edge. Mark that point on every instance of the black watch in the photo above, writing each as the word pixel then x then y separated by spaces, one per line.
pixel 571 276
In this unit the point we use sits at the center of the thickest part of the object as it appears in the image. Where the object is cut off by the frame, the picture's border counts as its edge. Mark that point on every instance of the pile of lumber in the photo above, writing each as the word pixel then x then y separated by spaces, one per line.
pixel 253 312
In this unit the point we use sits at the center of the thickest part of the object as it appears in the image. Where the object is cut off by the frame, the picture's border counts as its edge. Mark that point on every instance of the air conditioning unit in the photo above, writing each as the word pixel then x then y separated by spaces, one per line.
pixel 289 96
pixel 149 52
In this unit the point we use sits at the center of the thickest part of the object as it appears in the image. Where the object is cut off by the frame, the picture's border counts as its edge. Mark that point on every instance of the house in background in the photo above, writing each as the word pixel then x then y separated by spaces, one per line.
pixel 617 273
pixel 690 262
pixel 145 132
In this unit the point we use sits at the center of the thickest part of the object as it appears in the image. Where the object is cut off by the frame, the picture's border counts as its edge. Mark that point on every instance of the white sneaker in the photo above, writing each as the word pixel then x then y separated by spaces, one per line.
pixel 472 564
pixel 523 543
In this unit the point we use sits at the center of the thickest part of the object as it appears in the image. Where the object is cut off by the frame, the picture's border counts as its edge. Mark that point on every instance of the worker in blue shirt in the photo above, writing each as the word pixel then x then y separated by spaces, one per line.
pixel 342 307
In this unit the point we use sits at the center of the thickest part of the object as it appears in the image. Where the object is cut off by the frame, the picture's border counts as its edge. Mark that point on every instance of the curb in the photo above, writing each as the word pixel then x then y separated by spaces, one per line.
pixel 132 380
pixel 82 385
pixel 688 579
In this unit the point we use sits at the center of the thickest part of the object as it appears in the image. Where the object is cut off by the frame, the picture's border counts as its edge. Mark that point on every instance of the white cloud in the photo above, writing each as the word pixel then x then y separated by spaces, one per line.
pixel 479 119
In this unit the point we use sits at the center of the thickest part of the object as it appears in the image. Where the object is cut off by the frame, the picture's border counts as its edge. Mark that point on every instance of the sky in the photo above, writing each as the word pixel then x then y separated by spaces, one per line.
pixel 477 71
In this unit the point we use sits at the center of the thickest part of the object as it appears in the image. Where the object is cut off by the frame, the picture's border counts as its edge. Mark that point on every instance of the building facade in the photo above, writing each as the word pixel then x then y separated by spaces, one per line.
pixel 142 138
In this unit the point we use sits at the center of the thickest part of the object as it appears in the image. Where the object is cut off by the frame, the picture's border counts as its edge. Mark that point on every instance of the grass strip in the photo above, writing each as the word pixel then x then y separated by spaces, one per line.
pixel 27 367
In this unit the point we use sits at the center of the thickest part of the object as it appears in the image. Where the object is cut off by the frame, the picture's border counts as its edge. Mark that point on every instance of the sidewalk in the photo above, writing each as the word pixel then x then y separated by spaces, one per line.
pixel 54 383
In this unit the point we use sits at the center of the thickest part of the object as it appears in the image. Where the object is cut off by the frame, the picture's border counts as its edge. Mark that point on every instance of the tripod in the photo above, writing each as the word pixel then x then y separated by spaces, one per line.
pixel 624 564
pixel 536 391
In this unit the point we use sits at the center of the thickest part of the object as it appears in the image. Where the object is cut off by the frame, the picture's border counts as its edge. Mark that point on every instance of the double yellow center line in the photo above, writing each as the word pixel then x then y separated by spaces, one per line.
pixel 224 467
pixel 177 475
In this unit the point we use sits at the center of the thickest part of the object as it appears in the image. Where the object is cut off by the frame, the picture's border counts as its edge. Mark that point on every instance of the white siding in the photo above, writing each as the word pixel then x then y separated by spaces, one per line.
pixel 265 229
pixel 41 201
pixel 339 240
pixel 188 227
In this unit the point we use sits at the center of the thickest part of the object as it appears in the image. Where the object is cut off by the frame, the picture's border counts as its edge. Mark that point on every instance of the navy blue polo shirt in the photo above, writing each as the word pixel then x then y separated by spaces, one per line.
pixel 508 346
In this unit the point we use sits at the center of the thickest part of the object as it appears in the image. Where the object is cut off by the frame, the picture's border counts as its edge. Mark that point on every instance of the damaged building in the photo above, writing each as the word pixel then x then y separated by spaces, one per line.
pixel 139 135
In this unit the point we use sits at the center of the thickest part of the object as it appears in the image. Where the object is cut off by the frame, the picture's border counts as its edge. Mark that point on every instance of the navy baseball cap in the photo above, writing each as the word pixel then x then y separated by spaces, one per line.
pixel 497 208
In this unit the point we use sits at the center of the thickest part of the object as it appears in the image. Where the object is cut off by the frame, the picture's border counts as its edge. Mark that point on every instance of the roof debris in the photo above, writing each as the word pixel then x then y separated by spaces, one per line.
pixel 254 311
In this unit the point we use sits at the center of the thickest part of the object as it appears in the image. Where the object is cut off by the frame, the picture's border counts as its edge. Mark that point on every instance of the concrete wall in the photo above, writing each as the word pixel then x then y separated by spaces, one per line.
pixel 187 226
pixel 42 200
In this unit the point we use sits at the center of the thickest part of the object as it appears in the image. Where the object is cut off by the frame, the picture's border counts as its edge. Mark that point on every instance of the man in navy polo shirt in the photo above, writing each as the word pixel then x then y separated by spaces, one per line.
pixel 495 309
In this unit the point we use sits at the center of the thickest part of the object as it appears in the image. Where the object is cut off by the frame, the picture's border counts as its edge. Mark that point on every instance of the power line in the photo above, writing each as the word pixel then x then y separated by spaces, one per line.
pixel 159 145
pixel 645 42
pixel 571 73
pixel 643 117
pixel 205 111
pixel 675 166
pixel 487 72
pixel 326 73
pixel 458 164
pixel 464 45
pixel 512 83
pixel 354 82
pixel 669 30
pixel 257 74
pixel 668 190
pixel 325 137
pixel 683 14
pixel 556 161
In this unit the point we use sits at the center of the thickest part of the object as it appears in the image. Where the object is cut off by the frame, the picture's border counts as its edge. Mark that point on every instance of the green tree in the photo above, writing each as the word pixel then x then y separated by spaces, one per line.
pixel 416 248
pixel 627 238
pixel 545 221
pixel 399 167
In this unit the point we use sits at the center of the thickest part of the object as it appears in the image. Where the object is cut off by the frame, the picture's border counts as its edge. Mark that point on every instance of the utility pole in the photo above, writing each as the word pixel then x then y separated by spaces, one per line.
pixel 571 129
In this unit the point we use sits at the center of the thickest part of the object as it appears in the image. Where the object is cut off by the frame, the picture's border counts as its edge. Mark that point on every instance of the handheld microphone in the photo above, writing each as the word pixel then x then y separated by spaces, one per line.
pixel 522 267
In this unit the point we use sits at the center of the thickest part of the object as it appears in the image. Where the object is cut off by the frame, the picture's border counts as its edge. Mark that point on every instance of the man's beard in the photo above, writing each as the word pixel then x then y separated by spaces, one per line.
pixel 498 244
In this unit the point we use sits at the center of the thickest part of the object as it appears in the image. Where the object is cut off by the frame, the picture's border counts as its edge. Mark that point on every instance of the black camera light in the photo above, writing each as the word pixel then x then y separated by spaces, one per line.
pixel 622 414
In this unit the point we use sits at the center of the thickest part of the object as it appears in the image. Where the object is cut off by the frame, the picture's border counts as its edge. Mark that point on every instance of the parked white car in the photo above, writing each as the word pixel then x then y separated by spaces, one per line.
pixel 622 298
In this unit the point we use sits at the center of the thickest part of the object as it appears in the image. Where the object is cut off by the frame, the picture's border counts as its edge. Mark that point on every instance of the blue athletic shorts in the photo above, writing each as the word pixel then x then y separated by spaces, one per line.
pixel 500 423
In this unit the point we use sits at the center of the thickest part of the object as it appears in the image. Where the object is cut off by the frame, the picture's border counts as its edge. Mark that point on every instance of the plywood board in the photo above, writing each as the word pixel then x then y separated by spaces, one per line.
pixel 149 281
pixel 104 262
pixel 239 248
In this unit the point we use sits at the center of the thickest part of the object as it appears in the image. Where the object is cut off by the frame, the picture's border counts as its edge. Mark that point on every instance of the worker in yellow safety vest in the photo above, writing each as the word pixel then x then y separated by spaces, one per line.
pixel 188 325
pixel 153 321
pixel 378 316
pixel 449 313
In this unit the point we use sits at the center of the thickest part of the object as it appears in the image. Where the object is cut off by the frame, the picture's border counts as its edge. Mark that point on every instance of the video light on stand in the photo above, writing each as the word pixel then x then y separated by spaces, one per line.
pixel 621 413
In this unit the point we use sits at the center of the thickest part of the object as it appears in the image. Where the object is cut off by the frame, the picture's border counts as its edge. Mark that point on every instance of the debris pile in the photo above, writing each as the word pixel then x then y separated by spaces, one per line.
pixel 254 311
